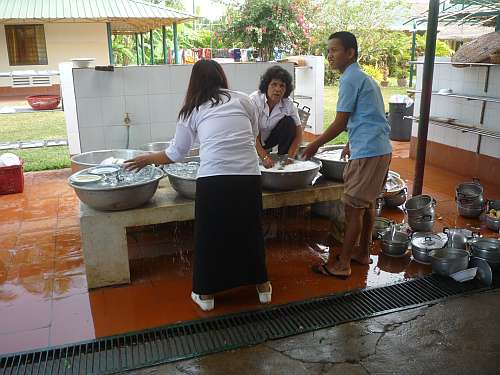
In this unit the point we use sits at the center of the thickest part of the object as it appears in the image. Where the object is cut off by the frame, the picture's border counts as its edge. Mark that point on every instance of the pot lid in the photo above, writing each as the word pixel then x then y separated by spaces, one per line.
pixel 428 240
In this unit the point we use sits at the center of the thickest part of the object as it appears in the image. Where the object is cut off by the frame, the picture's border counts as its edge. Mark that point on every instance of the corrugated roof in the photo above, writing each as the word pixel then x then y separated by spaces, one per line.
pixel 126 16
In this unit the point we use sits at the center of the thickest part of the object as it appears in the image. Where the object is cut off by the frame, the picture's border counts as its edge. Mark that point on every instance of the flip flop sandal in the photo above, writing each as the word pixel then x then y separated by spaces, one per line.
pixel 321 269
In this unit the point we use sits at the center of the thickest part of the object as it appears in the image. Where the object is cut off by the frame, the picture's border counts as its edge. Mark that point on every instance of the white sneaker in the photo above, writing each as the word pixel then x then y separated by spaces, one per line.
pixel 265 297
pixel 204 304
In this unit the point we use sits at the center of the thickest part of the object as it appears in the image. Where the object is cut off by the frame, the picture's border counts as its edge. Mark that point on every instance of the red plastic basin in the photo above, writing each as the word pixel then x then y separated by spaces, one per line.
pixel 43 102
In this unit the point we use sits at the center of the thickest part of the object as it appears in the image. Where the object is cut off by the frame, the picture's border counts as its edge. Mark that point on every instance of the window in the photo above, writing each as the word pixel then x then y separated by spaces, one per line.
pixel 26 44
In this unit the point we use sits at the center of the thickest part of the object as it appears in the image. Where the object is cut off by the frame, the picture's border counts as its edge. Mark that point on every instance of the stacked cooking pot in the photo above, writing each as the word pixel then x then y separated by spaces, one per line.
pixel 487 249
pixel 469 198
pixel 421 213
pixel 422 243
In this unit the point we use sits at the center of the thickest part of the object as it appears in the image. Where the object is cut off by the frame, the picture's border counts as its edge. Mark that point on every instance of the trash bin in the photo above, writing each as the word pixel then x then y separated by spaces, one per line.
pixel 400 106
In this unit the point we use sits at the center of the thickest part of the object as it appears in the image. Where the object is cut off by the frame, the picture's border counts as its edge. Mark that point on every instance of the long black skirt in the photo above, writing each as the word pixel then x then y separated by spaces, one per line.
pixel 229 245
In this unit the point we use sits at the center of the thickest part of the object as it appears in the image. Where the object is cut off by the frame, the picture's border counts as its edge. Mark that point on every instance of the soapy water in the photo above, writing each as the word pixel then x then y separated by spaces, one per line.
pixel 296 166
pixel 113 177
pixel 187 170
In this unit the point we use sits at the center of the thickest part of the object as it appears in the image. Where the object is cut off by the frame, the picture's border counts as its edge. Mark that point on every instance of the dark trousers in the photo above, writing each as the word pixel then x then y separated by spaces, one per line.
pixel 282 135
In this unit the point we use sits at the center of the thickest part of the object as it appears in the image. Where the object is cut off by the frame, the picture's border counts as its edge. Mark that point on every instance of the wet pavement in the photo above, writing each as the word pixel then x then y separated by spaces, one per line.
pixel 44 298
pixel 455 337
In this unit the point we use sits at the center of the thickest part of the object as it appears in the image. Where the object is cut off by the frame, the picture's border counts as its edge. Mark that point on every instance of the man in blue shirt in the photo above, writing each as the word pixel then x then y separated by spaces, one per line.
pixel 360 111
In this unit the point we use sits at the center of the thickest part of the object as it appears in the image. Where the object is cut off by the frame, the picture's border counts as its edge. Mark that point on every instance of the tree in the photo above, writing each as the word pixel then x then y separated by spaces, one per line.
pixel 267 24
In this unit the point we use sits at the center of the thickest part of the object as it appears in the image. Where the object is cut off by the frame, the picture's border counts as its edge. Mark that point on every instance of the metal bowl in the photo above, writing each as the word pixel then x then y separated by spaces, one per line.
pixel 117 198
pixel 395 244
pixel 493 223
pixel 380 226
pixel 92 158
pixel 185 186
pixel 331 168
pixel 289 180
pixel 395 200
pixel 448 260
pixel 162 146
pixel 419 205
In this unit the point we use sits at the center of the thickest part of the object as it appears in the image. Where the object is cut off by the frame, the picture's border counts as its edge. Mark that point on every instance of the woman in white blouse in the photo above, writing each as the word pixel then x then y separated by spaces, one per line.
pixel 229 245
pixel 279 122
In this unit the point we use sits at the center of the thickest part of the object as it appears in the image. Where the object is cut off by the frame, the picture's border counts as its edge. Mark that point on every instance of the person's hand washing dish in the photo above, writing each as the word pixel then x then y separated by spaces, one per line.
pixel 229 245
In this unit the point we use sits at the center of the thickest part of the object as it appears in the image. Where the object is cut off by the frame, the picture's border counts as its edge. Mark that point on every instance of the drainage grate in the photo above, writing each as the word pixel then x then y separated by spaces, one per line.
pixel 191 339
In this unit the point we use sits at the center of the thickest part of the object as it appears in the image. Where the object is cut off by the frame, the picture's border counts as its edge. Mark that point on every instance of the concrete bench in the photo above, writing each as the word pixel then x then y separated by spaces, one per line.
pixel 104 236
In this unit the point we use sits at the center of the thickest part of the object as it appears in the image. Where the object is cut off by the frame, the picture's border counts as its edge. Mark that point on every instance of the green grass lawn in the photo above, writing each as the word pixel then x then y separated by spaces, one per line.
pixel 51 125
pixel 36 126
pixel 330 102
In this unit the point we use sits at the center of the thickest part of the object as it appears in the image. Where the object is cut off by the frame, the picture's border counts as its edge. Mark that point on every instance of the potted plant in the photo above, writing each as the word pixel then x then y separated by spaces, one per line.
pixel 401 78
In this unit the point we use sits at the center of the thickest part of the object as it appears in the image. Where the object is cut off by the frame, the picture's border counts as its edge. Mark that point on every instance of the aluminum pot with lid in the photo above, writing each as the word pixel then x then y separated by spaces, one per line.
pixel 380 226
pixel 423 242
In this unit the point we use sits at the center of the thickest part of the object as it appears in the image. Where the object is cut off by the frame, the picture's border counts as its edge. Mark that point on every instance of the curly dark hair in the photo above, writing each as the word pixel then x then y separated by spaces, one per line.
pixel 276 72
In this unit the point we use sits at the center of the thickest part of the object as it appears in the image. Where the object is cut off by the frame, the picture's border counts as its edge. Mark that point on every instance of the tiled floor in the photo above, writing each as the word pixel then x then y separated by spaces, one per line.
pixel 43 294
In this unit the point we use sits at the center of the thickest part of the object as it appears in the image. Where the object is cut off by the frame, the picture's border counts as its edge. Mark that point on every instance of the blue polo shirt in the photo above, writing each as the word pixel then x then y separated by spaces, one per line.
pixel 367 128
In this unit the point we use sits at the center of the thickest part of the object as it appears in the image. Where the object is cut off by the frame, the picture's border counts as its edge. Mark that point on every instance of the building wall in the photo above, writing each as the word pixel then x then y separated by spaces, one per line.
pixel 63 41
pixel 452 149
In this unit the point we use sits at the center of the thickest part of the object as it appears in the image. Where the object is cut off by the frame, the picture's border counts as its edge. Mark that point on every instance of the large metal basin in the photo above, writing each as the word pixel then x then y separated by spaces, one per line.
pixel 93 158
pixel 183 185
pixel 162 146
pixel 109 198
pixel 331 169
pixel 289 180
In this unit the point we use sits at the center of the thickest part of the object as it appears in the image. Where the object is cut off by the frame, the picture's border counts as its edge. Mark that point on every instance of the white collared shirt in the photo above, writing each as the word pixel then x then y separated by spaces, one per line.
pixel 267 121
pixel 227 134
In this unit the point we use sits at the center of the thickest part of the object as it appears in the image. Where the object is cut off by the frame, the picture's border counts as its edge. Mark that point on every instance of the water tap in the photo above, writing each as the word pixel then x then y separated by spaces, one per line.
pixel 126 119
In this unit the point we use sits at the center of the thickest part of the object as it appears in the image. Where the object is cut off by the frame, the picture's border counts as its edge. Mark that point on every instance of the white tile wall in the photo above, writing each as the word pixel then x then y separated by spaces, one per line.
pixel 113 110
pixel 159 80
pixel 139 135
pixel 110 83
pixel 180 75
pixel 137 107
pixel 89 112
pixel 161 132
pixel 115 137
pixel 490 147
pixel 92 139
pixel 88 83
pixel 135 80
pixel 160 108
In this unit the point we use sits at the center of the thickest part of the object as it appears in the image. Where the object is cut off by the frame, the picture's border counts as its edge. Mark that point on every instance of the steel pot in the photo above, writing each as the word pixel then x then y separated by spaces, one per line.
pixel 469 190
pixel 289 180
pixel 486 248
pixel 420 205
pixel 448 260
pixel 458 237
pixel 395 200
pixel 469 212
pixel 394 243
pixel 120 197
pixel 493 223
pixel 421 223
pixel 476 202
pixel 184 185
pixel 423 242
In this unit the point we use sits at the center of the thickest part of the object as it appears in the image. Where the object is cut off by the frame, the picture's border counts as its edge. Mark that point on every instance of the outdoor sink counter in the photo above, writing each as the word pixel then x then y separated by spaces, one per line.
pixel 104 237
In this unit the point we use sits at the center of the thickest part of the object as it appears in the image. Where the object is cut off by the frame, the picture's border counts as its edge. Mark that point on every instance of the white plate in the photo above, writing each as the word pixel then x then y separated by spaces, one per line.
pixel 104 169
pixel 85 178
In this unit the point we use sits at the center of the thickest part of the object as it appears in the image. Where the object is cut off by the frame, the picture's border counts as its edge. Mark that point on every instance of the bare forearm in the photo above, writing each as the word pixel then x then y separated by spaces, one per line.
pixel 292 151
pixel 160 157
pixel 332 132
pixel 260 150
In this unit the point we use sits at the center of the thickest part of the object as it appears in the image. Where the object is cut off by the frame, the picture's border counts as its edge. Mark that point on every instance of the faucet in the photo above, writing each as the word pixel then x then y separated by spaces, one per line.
pixel 126 121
